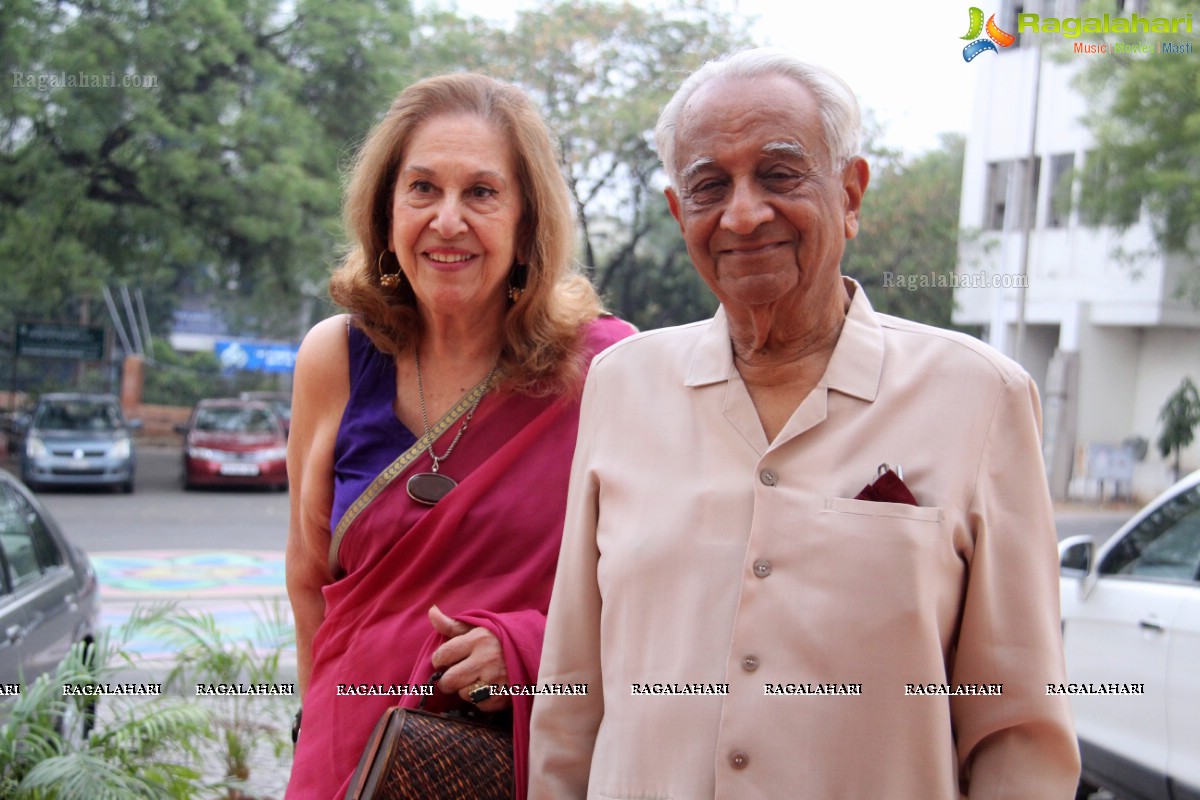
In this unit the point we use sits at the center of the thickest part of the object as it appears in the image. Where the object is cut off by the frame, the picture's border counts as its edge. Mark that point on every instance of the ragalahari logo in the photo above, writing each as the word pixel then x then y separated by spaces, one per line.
pixel 993 31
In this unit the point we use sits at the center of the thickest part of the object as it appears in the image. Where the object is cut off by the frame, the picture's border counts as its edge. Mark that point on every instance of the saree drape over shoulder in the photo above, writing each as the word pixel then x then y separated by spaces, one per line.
pixel 485 554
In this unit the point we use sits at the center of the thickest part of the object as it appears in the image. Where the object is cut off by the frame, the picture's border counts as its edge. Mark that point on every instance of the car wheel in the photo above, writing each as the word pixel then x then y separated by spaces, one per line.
pixel 127 486
pixel 1085 790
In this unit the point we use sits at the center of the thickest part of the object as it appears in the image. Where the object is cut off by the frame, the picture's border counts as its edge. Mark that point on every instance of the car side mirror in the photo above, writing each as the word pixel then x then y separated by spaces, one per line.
pixel 134 424
pixel 181 428
pixel 1075 556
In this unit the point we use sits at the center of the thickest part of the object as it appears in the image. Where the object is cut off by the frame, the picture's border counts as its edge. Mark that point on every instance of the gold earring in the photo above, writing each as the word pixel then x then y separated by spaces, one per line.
pixel 517 279
pixel 388 280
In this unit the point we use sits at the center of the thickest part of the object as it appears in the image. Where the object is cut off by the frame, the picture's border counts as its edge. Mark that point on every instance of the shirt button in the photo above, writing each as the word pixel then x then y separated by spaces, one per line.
pixel 739 760
pixel 762 568
pixel 768 477
pixel 750 663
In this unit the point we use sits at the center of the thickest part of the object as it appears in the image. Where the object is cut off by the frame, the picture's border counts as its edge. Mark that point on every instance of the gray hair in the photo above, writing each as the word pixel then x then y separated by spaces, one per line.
pixel 841 124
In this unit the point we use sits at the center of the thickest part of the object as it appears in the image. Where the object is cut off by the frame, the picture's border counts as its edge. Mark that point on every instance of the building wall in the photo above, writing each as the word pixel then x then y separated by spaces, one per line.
pixel 1109 366
pixel 1168 355
pixel 1109 296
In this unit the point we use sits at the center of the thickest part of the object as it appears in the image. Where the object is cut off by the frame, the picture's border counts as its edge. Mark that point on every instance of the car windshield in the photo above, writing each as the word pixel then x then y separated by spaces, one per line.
pixel 235 420
pixel 78 415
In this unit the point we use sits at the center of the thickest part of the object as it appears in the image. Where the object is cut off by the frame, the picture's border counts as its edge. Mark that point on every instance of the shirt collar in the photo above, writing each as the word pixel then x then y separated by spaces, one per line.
pixel 855 368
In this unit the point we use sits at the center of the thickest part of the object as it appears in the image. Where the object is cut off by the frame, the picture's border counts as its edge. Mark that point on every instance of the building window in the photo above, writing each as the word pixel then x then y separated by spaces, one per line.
pixel 997 194
pixel 1062 178
pixel 1006 188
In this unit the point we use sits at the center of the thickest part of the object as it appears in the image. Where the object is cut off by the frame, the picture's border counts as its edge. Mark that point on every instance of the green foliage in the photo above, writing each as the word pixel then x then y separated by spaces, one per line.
pixel 206 161
pixel 206 655
pixel 145 747
pixel 215 172
pixel 655 284
pixel 1180 416
pixel 909 227
pixel 183 379
pixel 139 753
pixel 172 379
pixel 1145 117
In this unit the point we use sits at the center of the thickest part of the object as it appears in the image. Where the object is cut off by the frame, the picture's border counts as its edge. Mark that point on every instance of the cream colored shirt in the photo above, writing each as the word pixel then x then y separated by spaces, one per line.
pixel 749 630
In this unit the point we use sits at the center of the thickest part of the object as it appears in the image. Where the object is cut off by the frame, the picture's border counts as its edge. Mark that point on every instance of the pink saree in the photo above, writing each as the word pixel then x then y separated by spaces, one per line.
pixel 485 554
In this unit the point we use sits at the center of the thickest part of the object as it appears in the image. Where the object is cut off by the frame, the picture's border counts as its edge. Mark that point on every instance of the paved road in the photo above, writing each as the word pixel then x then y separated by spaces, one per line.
pixel 160 515
pixel 1098 522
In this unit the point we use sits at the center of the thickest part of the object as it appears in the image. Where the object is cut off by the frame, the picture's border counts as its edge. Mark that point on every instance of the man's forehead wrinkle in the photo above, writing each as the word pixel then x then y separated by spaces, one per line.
pixel 706 125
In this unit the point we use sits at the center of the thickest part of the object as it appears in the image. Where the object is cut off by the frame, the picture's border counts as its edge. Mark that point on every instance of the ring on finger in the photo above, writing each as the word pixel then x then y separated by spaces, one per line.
pixel 479 691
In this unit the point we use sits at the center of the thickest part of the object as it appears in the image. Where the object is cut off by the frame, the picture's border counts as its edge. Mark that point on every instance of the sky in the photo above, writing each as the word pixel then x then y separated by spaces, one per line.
pixel 905 66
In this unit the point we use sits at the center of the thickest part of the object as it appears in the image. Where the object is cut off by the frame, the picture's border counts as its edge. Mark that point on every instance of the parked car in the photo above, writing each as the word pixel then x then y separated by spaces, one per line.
pixel 13 425
pixel 1131 628
pixel 49 598
pixel 234 443
pixel 280 401
pixel 78 440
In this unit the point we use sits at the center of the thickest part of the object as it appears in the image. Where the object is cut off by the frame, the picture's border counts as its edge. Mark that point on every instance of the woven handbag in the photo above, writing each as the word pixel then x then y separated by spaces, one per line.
pixel 417 755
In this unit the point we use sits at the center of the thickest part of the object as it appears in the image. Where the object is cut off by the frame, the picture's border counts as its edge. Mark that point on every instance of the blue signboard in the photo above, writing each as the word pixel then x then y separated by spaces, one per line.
pixel 256 356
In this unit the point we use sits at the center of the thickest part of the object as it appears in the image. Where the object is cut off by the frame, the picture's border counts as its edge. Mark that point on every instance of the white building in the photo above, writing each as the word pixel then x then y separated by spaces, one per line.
pixel 1099 325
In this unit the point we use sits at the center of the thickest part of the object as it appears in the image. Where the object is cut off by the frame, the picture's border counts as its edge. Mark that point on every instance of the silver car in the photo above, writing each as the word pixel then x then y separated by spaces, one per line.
pixel 78 440
pixel 49 598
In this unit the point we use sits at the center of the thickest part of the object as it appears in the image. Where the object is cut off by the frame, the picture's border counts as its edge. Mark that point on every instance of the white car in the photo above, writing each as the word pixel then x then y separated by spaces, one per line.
pixel 1131 629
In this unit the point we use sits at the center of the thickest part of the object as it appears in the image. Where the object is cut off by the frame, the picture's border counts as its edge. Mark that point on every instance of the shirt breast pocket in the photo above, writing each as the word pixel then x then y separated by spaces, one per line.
pixel 893 566
pixel 871 508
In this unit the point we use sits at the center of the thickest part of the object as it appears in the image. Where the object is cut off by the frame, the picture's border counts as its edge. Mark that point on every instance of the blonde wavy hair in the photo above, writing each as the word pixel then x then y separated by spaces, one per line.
pixel 542 350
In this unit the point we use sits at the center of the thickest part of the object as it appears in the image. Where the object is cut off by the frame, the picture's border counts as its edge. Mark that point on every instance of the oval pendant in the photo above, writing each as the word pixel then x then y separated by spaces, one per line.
pixel 429 487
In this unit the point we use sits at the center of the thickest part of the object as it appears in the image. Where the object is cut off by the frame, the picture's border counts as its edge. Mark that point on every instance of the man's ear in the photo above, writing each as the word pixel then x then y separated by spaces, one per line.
pixel 855 178
pixel 673 204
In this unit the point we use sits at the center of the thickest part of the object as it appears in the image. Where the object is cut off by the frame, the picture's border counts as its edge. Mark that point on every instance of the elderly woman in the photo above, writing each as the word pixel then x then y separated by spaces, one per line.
pixel 434 425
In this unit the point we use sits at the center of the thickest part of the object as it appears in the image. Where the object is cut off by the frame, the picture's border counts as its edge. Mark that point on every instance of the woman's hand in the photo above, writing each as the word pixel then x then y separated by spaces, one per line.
pixel 472 657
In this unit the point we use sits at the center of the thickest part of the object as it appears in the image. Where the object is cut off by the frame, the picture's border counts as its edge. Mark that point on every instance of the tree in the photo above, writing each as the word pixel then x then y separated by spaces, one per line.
pixel 178 146
pixel 1179 415
pixel 1145 114
pixel 601 73
pixel 909 231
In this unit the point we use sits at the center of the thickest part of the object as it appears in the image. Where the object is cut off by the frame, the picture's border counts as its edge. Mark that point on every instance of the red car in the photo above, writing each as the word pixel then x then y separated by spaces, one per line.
pixel 235 443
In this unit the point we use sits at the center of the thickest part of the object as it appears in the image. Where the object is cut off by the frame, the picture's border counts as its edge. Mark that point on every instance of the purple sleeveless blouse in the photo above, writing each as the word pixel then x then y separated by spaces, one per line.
pixel 370 436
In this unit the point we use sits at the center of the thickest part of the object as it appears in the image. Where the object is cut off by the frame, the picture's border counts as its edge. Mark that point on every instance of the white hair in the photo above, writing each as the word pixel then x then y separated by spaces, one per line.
pixel 841 123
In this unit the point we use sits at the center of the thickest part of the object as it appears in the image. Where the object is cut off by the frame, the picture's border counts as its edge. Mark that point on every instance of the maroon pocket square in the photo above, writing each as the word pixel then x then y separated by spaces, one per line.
pixel 887 488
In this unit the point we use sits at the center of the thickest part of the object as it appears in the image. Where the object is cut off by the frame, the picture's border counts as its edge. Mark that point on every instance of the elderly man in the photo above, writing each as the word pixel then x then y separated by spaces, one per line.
pixel 753 619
